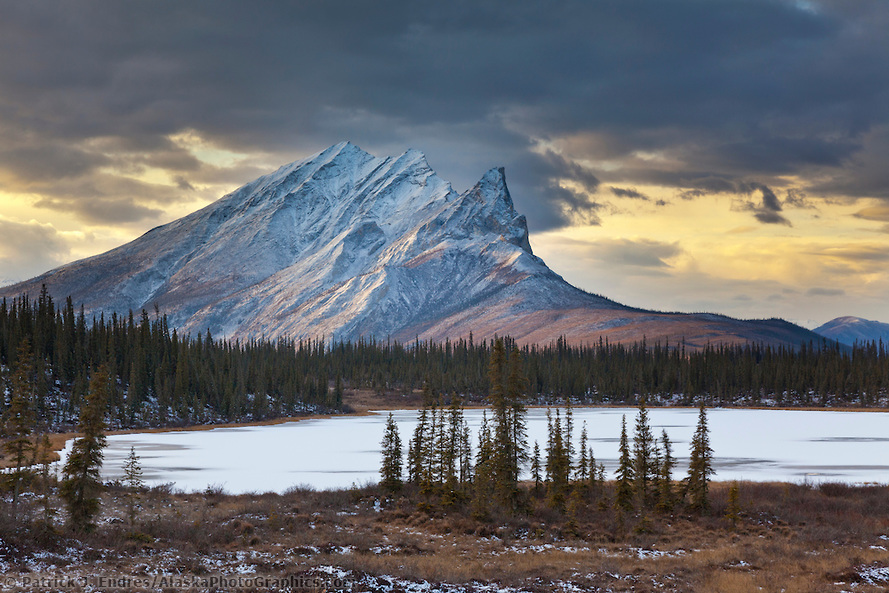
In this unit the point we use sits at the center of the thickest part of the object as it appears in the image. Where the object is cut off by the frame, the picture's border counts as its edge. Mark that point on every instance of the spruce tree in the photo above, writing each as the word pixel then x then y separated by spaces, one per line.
pixel 132 479
pixel 535 469
pixel 666 498
pixel 20 420
pixel 700 466
pixel 465 455
pixel 390 470
pixel 45 459
pixel 569 434
pixel 338 391
pixel 82 481
pixel 643 456
pixel 515 393
pixel 557 465
pixel 418 449
pixel 483 483
pixel 623 496
pixel 733 511
pixel 450 446
pixel 583 466
pixel 435 447
pixel 503 468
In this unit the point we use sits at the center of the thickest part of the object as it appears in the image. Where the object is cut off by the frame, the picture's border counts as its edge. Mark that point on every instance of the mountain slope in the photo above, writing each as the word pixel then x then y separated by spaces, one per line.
pixel 848 330
pixel 344 244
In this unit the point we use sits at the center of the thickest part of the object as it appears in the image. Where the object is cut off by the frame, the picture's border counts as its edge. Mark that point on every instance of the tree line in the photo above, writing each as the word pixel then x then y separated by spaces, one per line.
pixel 161 378
pixel 158 377
pixel 444 470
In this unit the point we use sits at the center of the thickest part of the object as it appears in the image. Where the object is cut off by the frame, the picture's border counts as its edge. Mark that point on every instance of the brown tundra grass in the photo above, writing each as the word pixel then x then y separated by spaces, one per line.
pixel 789 538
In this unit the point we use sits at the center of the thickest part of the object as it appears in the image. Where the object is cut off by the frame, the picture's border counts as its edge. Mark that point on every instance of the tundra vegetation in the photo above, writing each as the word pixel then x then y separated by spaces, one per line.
pixel 456 507
pixel 461 518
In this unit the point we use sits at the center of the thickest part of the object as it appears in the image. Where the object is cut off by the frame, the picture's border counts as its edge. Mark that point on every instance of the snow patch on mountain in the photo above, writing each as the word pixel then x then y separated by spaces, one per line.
pixel 850 330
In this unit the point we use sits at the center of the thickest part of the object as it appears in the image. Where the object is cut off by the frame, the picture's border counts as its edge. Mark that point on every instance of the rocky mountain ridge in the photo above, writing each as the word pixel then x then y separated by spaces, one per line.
pixel 344 244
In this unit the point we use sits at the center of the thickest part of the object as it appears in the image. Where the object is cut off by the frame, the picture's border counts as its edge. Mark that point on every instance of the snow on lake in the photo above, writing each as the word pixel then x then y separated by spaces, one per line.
pixel 759 445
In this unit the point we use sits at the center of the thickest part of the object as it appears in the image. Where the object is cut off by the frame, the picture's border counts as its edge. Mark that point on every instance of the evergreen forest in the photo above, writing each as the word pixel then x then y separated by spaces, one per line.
pixel 162 378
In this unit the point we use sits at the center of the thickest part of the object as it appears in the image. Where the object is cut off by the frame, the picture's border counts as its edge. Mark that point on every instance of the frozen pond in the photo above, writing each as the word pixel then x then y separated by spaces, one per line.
pixel 760 445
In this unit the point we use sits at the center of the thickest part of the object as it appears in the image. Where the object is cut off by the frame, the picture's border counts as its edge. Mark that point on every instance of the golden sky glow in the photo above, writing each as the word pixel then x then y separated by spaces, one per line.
pixel 691 255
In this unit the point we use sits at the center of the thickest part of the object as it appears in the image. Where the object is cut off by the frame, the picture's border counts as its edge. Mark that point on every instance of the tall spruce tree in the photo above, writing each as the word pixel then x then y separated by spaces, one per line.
pixel 700 466
pixel 419 447
pixel 665 496
pixel 582 472
pixel 503 453
pixel 390 469
pixel 643 456
pixel 535 469
pixel 483 483
pixel 452 432
pixel 465 455
pixel 20 419
pixel 82 481
pixel 623 496
pixel 515 393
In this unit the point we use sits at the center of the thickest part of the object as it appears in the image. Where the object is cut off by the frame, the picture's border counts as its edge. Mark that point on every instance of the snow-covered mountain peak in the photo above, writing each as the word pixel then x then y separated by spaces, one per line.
pixel 337 235
pixel 345 244
pixel 488 205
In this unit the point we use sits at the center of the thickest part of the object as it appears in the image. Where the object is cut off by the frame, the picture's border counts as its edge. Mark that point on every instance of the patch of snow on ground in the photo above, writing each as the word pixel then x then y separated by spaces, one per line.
pixel 643 554
pixel 874 575
pixel 390 583
pixel 542 548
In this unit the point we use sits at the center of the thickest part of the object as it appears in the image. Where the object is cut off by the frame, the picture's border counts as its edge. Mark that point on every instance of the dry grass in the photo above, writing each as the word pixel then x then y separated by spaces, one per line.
pixel 790 538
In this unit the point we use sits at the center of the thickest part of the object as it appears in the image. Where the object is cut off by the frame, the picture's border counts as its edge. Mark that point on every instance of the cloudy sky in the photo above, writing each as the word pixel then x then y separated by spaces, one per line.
pixel 688 155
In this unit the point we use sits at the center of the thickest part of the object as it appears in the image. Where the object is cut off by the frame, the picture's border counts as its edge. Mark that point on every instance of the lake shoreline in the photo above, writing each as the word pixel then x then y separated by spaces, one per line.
pixel 367 407
pixel 336 451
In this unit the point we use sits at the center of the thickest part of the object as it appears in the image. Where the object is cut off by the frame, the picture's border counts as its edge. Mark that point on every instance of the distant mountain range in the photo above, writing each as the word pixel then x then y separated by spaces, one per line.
pixel 344 244
pixel 849 330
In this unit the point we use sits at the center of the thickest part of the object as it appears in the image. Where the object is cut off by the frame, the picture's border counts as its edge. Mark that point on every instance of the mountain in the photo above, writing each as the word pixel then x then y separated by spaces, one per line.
pixel 848 330
pixel 344 244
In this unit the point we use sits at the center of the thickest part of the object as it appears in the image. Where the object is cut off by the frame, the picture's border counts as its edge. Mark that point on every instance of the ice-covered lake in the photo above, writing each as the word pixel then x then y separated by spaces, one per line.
pixel 760 445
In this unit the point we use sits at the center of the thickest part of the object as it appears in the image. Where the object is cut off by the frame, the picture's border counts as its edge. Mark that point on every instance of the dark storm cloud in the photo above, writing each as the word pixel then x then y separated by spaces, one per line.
pixel 768 210
pixel 628 192
pixel 98 210
pixel 691 194
pixel 797 199
pixel 49 161
pixel 726 92
pixel 183 184
pixel 545 202
pixel 107 199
